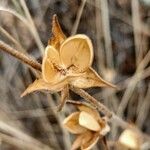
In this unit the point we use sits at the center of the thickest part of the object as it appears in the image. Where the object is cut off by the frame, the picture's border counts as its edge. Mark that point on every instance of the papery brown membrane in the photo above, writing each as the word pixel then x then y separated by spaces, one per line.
pixel 77 142
pixel 92 112
pixel 90 79
pixel 71 123
pixel 89 140
pixel 130 139
pixel 85 141
pixel 58 36
pixel 77 50
pixel 88 121
pixel 50 66
pixel 92 127
pixel 40 84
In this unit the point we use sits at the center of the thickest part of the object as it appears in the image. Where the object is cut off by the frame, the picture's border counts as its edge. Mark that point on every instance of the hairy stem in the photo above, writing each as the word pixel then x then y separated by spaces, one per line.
pixel 19 55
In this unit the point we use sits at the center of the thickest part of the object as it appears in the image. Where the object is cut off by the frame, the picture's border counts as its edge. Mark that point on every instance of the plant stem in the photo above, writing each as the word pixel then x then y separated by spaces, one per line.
pixel 92 100
pixel 19 55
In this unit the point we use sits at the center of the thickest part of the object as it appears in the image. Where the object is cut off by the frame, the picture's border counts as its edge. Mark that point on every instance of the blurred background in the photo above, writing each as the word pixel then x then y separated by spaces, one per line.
pixel 120 32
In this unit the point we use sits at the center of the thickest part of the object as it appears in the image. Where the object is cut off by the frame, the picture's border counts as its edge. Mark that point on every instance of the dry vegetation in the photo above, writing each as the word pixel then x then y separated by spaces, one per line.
pixel 120 32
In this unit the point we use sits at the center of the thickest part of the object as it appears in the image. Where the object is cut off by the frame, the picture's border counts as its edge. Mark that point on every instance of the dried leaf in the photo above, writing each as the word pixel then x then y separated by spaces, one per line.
pixel 40 84
pixel 88 121
pixel 89 79
pixel 72 124
pixel 77 51
pixel 58 36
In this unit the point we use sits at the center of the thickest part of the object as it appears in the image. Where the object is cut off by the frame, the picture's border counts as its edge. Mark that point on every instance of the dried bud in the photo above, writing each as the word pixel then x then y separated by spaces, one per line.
pixel 87 125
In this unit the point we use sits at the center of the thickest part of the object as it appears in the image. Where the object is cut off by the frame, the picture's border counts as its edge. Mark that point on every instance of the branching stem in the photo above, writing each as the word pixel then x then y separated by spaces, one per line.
pixel 92 100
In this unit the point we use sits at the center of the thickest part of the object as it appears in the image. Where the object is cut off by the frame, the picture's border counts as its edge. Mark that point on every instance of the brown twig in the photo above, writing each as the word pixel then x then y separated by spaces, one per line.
pixel 79 103
pixel 92 100
pixel 74 102
pixel 64 97
pixel 19 55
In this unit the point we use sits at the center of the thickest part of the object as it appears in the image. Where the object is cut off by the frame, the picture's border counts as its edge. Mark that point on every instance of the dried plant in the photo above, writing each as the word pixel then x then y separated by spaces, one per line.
pixel 130 140
pixel 67 61
pixel 67 65
pixel 88 126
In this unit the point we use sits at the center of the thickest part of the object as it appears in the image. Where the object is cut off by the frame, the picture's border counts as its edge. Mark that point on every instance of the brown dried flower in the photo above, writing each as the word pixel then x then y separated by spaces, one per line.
pixel 130 139
pixel 67 61
pixel 87 125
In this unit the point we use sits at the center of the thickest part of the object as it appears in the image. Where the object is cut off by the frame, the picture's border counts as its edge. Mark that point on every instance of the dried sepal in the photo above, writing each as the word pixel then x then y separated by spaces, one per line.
pixel 105 129
pixel 95 127
pixel 130 139
pixel 89 140
pixel 71 123
pixel 77 142
pixel 85 141
pixel 40 84
pixel 77 51
pixel 51 60
pixel 88 121
pixel 90 79
pixel 92 112
pixel 58 36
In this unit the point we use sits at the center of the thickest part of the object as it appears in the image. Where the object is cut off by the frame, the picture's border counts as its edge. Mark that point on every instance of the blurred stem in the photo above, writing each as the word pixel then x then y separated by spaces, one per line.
pixel 11 38
pixel 34 30
pixel 19 55
pixel 20 135
pixel 132 84
pixel 29 26
pixel 17 6
pixel 144 109
pixel 100 49
pixel 106 32
pixel 77 21
pixel 136 21
pixel 64 97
